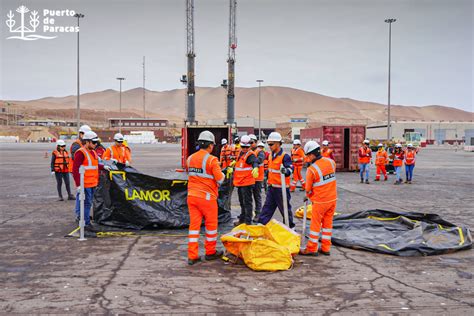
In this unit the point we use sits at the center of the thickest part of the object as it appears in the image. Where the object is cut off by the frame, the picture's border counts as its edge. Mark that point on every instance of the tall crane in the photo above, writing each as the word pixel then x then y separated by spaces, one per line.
pixel 230 82
pixel 189 78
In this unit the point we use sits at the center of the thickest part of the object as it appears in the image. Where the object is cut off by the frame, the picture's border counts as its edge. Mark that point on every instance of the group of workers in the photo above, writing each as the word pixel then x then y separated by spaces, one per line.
pixel 398 156
pixel 87 152
pixel 248 164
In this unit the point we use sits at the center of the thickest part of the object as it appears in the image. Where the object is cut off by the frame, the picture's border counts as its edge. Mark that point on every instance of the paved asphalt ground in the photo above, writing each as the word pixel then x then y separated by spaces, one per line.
pixel 43 272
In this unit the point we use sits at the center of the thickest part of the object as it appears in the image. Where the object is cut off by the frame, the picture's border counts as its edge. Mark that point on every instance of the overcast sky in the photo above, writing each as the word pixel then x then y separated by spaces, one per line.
pixel 337 48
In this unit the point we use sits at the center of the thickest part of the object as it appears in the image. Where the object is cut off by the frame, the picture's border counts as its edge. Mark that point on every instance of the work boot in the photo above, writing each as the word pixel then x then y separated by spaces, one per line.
pixel 326 253
pixel 386 178
pixel 305 252
pixel 367 181
pixel 60 198
pixel 302 189
pixel 215 256
pixel 90 228
pixel 409 182
pixel 377 179
pixel 361 180
pixel 396 183
pixel 237 223
pixel 193 261
pixel 71 197
pixel 406 181
pixel 255 219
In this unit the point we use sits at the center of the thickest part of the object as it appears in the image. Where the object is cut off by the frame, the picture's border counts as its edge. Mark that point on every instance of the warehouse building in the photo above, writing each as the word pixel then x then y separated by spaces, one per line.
pixel 248 125
pixel 133 123
pixel 434 132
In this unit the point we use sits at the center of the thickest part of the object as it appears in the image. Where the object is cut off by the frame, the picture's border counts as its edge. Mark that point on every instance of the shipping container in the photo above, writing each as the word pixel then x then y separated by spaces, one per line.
pixel 190 135
pixel 344 141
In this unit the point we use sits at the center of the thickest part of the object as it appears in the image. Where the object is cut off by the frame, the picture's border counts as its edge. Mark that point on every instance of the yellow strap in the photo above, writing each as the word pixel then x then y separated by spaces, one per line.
pixel 386 247
pixel 384 218
pixel 461 236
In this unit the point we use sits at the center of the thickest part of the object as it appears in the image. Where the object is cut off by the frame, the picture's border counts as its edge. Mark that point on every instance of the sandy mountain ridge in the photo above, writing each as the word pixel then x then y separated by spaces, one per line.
pixel 278 104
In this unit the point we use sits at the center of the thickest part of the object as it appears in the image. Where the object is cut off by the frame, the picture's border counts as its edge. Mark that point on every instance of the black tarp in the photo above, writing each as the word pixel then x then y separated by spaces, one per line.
pixel 399 233
pixel 126 198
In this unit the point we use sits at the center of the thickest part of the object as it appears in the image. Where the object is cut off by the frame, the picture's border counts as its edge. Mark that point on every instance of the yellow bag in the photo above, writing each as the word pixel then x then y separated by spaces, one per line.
pixel 300 212
pixel 263 248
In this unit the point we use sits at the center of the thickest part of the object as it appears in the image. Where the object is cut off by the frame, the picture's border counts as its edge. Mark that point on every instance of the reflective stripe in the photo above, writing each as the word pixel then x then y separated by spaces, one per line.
pixel 221 181
pixel 276 185
pixel 327 230
pixel 211 232
pixel 274 170
pixel 90 166
pixel 211 239
pixel 313 240
pixel 327 237
pixel 201 175
pixel 321 179
pixel 208 196
pixel 261 165
pixel 193 239
pixel 194 232
pixel 314 234
pixel 204 173
pixel 243 169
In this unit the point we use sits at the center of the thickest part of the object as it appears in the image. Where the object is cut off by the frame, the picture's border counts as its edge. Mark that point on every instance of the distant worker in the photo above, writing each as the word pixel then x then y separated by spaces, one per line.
pixel 235 149
pixel 297 157
pixel 410 157
pixel 326 151
pixel 78 142
pixel 87 157
pixel 365 156
pixel 381 159
pixel 204 177
pixel 100 149
pixel 60 166
pixel 321 189
pixel 225 154
pixel 257 188
pixel 398 157
pixel 279 163
pixel 246 171
pixel 118 153
pixel 261 146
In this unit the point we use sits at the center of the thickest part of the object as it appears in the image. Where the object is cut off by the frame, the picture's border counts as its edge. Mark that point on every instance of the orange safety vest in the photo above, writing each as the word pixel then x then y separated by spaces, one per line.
pixel 226 152
pixel 201 181
pixel 326 152
pixel 297 156
pixel 261 166
pixel 410 157
pixel 91 166
pixel 381 157
pixel 121 154
pixel 243 171
pixel 398 159
pixel 274 175
pixel 322 178
pixel 61 162
pixel 364 152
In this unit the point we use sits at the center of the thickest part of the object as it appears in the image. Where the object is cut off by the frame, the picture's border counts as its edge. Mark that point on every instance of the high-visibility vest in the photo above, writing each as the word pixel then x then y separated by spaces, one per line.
pixel 261 166
pixel 381 157
pixel 326 152
pixel 364 152
pixel 201 181
pixel 91 166
pixel 322 174
pixel 226 151
pixel 297 156
pixel 243 171
pixel 410 157
pixel 61 161
pixel 274 175
pixel 120 153
pixel 398 159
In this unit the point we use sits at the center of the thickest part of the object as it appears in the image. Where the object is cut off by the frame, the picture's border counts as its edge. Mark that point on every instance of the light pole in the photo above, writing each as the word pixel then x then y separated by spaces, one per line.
pixel 259 109
pixel 78 107
pixel 120 103
pixel 389 21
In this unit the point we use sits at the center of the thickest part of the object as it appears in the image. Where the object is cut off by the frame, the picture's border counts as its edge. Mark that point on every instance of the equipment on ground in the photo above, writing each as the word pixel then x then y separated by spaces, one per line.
pixel 284 198
pixel 303 230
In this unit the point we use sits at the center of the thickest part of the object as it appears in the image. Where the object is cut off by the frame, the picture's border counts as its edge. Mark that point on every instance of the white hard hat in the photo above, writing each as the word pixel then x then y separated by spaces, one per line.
pixel 260 144
pixel 325 143
pixel 84 128
pixel 90 135
pixel 274 137
pixel 207 136
pixel 410 145
pixel 366 141
pixel 60 142
pixel 223 141
pixel 297 142
pixel 380 145
pixel 236 140
pixel 118 137
pixel 310 146
pixel 398 145
pixel 245 141
pixel 253 137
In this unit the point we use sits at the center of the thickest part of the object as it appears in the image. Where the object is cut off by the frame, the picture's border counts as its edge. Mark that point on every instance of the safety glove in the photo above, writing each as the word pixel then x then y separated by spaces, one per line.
pixel 229 172
pixel 255 172
pixel 283 170
pixel 233 163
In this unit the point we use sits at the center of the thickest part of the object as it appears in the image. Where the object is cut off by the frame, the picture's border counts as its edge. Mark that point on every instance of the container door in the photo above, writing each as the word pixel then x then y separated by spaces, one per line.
pixel 347 148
